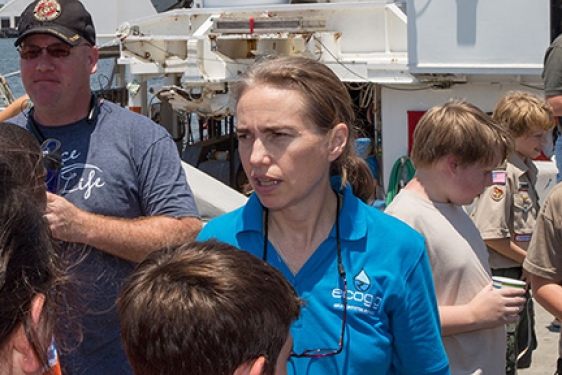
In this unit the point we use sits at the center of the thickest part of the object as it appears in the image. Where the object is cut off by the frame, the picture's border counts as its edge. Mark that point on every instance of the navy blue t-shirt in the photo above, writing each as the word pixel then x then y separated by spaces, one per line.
pixel 121 165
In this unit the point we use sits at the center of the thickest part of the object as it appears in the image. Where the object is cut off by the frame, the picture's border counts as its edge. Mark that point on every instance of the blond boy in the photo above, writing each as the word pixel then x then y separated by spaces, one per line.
pixel 456 147
pixel 506 212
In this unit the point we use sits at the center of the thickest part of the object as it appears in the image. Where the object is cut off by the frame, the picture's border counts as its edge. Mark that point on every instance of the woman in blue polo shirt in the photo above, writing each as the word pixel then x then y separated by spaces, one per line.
pixel 365 277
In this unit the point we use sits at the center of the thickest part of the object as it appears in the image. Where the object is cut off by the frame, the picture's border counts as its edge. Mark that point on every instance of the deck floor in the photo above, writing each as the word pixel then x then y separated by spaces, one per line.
pixel 546 354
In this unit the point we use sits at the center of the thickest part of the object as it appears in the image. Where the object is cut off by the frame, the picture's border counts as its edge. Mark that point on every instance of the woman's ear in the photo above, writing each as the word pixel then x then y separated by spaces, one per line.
pixel 37 308
pixel 24 356
pixel 338 140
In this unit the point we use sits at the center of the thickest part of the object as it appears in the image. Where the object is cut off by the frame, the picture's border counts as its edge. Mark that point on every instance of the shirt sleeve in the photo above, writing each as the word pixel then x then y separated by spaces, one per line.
pixel 416 325
pixel 544 256
pixel 552 73
pixel 207 232
pixel 492 212
pixel 164 187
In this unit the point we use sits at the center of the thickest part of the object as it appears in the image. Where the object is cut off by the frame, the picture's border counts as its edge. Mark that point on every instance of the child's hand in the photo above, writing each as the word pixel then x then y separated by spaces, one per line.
pixel 493 307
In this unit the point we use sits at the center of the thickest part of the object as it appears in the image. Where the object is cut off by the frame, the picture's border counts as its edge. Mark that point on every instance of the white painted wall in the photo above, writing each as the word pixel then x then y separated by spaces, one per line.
pixel 460 36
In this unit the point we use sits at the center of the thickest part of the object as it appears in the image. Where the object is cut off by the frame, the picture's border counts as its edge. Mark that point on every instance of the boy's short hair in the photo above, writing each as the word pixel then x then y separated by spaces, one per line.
pixel 205 308
pixel 520 111
pixel 460 129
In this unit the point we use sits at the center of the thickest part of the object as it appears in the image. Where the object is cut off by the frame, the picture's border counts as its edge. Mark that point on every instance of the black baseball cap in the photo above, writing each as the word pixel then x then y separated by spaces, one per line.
pixel 67 20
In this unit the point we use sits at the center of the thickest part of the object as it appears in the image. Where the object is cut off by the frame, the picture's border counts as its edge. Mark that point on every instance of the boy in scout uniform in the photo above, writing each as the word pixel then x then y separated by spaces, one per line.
pixel 543 260
pixel 506 211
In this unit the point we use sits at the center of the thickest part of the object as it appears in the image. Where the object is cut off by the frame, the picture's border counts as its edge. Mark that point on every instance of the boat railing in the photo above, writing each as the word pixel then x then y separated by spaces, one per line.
pixel 6 95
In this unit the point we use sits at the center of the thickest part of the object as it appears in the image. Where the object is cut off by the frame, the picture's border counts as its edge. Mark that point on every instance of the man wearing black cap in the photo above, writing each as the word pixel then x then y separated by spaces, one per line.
pixel 123 191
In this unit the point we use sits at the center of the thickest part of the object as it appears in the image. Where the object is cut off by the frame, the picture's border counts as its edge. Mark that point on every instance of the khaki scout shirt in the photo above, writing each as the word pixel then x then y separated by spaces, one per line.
pixel 544 257
pixel 509 207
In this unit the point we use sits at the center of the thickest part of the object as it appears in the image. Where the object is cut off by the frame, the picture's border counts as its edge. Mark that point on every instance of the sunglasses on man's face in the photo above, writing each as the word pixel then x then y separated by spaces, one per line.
pixel 56 50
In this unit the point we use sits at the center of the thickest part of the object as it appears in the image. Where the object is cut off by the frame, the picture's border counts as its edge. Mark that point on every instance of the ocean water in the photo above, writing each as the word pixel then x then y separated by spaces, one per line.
pixel 10 66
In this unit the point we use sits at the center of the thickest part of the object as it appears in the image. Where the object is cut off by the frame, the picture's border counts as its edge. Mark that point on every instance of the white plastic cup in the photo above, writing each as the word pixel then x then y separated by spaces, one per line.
pixel 507 282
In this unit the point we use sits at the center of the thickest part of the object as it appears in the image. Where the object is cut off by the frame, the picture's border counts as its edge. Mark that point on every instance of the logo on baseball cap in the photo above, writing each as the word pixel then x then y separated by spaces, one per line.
pixel 67 20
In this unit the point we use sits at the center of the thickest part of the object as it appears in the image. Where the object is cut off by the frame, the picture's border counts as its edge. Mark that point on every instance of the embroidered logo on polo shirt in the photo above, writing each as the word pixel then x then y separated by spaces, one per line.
pixel 362 281
pixel 357 297
pixel 47 10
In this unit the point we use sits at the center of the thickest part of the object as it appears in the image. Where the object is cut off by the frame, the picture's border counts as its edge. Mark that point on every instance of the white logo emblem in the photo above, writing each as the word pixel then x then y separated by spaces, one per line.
pixel 47 10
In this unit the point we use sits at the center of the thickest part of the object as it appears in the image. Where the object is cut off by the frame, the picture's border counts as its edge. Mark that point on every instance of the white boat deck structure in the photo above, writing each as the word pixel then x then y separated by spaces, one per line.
pixel 404 57
pixel 107 14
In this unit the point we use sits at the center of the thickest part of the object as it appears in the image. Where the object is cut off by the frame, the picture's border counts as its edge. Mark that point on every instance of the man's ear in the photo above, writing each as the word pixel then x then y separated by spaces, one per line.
pixel 24 356
pixel 94 59
pixel 251 367
pixel 338 139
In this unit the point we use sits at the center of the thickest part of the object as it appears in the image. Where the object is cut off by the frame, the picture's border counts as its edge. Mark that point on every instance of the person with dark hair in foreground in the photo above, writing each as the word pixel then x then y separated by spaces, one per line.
pixel 207 308
pixel 21 151
pixel 30 276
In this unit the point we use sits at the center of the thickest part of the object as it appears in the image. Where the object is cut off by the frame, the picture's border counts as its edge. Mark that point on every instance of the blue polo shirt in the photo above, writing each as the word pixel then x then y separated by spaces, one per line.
pixel 392 324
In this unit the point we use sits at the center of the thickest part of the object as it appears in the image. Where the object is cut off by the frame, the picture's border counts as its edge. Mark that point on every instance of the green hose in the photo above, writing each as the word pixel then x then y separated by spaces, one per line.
pixel 402 172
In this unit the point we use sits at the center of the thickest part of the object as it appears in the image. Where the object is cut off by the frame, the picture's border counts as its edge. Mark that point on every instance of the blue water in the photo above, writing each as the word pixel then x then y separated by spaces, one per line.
pixel 10 66
pixel 10 63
